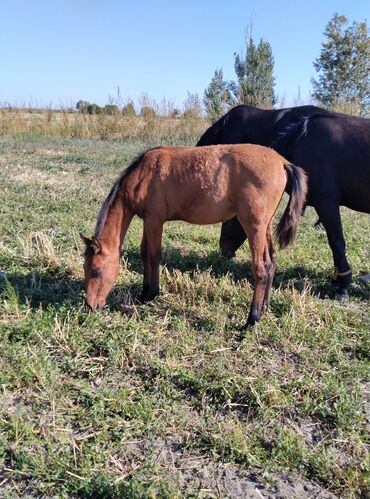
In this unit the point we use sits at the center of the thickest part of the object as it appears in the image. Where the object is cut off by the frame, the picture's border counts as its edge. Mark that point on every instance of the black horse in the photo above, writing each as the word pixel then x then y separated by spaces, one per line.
pixel 333 149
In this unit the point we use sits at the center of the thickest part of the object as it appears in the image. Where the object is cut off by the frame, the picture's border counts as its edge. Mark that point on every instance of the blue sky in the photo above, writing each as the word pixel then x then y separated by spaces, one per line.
pixel 60 51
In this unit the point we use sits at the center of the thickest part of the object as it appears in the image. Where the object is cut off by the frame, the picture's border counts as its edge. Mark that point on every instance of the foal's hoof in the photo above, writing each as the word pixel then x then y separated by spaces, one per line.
pixel 251 322
pixel 342 295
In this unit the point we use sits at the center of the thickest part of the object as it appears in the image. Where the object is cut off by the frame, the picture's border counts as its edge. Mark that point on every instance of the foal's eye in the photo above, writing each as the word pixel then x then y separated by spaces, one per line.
pixel 96 273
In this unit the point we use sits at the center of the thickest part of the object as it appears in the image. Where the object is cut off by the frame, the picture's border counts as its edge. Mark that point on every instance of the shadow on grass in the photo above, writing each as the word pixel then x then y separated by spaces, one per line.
pixel 320 283
pixel 42 288
pixel 191 261
pixel 56 287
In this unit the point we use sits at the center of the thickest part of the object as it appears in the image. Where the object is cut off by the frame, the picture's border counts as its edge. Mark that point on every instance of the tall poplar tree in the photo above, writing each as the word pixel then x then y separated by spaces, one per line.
pixel 255 80
pixel 343 66
pixel 217 97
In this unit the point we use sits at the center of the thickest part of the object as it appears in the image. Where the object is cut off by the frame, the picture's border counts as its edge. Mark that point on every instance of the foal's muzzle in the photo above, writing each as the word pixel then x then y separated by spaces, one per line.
pixel 94 304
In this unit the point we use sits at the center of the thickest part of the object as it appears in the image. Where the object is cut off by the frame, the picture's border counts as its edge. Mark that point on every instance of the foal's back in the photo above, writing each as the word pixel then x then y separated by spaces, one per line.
pixel 207 184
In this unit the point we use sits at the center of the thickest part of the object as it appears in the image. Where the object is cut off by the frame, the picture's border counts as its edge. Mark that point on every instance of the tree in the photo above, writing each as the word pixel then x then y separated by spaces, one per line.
pixel 93 108
pixel 192 106
pixel 254 71
pixel 147 112
pixel 217 97
pixel 129 109
pixel 344 66
pixel 82 106
pixel 111 109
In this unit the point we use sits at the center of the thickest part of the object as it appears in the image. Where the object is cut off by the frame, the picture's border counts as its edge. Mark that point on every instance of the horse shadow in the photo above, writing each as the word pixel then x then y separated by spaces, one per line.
pixel 58 287
pixel 317 283
pixel 49 288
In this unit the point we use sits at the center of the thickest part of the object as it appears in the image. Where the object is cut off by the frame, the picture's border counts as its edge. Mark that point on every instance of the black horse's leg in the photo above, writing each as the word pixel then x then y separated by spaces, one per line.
pixel 318 225
pixel 232 237
pixel 330 216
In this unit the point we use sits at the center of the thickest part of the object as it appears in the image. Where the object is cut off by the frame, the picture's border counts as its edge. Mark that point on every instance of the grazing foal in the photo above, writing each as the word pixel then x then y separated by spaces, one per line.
pixel 200 185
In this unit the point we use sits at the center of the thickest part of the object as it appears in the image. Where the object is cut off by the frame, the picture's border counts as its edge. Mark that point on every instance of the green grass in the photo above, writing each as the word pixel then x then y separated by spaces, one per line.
pixel 168 399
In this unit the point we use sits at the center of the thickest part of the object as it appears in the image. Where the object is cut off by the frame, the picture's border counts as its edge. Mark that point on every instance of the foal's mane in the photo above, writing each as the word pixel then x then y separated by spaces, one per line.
pixel 102 217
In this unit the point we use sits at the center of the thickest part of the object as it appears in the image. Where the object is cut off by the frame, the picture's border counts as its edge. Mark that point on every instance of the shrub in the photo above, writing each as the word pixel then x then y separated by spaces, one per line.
pixel 82 106
pixel 94 109
pixel 147 112
pixel 110 109
pixel 129 110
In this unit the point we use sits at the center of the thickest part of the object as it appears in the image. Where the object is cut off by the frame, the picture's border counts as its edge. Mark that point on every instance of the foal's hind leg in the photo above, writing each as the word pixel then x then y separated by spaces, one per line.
pixel 258 244
pixel 152 255
pixel 270 263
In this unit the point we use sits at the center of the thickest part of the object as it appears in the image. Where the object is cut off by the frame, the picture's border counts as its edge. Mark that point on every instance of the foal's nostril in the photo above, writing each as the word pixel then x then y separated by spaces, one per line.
pixel 91 306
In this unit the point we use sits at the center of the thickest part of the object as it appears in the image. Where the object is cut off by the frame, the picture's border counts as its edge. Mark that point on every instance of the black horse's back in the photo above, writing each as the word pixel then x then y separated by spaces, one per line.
pixel 211 135
pixel 229 128
pixel 335 151
pixel 238 125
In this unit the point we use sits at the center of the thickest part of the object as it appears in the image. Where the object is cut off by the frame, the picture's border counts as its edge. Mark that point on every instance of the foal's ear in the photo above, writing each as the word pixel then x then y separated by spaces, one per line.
pixel 96 245
pixel 86 240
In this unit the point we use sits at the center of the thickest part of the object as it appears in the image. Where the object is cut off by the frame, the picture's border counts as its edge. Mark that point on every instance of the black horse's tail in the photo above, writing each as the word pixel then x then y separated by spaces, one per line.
pixel 297 188
pixel 294 132
pixel 211 135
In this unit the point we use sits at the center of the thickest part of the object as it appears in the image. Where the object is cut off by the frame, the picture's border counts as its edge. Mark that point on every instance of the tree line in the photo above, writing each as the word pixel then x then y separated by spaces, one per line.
pixel 342 82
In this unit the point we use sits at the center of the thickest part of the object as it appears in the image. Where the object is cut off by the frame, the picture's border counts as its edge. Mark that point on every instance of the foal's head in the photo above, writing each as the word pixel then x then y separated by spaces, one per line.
pixel 101 268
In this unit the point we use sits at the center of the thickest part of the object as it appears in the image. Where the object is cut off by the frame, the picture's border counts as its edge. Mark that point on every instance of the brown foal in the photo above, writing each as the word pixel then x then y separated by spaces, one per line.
pixel 200 185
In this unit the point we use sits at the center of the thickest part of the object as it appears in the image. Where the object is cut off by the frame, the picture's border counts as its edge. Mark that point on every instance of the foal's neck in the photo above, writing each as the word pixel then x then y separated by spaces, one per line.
pixel 111 234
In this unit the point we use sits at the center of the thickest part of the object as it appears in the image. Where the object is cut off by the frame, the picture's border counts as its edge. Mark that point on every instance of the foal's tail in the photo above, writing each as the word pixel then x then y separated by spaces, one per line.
pixel 297 189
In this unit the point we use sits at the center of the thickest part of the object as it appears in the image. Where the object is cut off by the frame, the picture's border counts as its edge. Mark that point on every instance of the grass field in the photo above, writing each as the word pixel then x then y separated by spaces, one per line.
pixel 64 123
pixel 168 399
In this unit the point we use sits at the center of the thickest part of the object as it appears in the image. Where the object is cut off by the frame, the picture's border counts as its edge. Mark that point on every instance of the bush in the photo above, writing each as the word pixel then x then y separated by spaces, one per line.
pixel 129 110
pixel 175 113
pixel 82 106
pixel 94 109
pixel 147 112
pixel 111 109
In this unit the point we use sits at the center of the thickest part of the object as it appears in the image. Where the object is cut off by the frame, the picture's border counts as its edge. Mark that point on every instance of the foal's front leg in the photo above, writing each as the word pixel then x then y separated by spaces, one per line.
pixel 146 264
pixel 152 256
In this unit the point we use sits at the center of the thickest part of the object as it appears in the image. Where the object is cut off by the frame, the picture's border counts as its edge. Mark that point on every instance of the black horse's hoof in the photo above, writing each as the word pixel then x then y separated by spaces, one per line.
pixel 365 279
pixel 228 254
pixel 149 295
pixel 342 295
pixel 142 298
pixel 318 225
pixel 243 328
